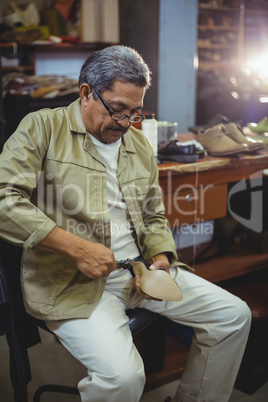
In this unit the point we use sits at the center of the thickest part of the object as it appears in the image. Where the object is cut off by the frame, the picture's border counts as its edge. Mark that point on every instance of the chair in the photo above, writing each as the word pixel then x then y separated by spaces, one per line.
pixel 21 330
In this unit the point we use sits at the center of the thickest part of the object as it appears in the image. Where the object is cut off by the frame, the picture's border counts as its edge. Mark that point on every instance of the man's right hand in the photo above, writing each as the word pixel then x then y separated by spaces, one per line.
pixel 92 259
pixel 95 260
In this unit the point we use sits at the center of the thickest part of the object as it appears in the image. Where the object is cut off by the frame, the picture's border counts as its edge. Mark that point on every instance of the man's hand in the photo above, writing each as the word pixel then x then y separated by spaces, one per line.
pixel 92 259
pixel 160 263
pixel 95 260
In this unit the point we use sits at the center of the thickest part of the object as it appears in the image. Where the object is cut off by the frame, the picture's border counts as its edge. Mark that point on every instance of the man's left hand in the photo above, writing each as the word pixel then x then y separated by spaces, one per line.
pixel 160 261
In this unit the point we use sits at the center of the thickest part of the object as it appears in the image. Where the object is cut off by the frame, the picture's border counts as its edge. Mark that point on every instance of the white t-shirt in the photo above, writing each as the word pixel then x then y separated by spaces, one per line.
pixel 123 244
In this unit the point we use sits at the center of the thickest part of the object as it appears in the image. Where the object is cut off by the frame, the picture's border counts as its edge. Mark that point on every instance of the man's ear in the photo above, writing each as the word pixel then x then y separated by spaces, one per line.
pixel 85 91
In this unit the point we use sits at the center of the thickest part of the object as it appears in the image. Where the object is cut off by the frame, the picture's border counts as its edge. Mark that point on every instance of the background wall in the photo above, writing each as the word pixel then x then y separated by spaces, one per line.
pixel 164 32
pixel 177 62
pixel 139 25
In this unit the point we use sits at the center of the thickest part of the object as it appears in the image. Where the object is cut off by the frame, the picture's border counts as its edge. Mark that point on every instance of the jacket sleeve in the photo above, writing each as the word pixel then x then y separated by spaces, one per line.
pixel 22 223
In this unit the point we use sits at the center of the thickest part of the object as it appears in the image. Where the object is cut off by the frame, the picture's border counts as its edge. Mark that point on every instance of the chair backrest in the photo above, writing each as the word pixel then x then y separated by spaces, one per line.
pixel 11 295
pixel 10 260
pixel 20 329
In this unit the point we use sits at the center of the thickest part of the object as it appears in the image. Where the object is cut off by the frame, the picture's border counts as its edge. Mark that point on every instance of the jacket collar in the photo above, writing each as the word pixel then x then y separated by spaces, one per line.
pixel 74 118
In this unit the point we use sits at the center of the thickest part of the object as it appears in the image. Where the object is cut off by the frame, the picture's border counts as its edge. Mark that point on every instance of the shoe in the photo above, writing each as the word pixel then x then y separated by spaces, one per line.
pixel 150 280
pixel 168 399
pixel 217 143
pixel 173 151
pixel 259 128
pixel 218 119
pixel 235 132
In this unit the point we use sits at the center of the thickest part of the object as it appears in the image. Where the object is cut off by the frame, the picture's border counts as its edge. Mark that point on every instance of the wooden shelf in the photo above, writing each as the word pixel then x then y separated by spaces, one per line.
pixel 31 49
pixel 217 46
pixel 220 65
pixel 212 169
pixel 240 262
pixel 18 68
pixel 256 12
pixel 7 47
pixel 217 28
pixel 230 21
pixel 219 9
pixel 214 23
pixel 255 29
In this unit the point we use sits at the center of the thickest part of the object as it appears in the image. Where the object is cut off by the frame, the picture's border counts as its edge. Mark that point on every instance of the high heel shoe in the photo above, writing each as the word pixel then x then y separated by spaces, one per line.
pixel 157 283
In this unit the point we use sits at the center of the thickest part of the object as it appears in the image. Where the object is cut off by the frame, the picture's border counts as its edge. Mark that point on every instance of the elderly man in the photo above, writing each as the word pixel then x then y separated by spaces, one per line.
pixel 79 191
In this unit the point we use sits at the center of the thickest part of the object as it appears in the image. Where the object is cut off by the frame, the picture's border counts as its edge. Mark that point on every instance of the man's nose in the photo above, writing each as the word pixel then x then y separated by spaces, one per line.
pixel 124 123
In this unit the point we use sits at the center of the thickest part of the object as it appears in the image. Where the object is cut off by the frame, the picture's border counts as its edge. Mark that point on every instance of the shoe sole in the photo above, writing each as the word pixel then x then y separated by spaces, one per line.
pixel 227 153
pixel 256 148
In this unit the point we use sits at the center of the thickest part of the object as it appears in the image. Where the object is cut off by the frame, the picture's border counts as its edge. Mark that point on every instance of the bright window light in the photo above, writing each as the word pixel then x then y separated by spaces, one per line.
pixel 263 99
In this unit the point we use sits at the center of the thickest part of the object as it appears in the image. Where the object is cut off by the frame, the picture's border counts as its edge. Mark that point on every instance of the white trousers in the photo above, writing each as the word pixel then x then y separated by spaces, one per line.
pixel 103 342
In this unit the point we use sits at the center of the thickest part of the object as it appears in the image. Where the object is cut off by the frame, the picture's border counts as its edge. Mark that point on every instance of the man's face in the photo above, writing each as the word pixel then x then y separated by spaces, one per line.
pixel 123 98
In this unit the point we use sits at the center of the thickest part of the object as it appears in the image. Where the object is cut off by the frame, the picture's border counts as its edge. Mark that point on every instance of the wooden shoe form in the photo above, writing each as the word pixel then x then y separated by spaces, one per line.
pixel 237 135
pixel 217 143
pixel 157 283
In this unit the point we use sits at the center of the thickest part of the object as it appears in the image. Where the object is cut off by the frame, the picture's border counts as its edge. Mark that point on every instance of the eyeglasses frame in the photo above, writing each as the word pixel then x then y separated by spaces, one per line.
pixel 111 113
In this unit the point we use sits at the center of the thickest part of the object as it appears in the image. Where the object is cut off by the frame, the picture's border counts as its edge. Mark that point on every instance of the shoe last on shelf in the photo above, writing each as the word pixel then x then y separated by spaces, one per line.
pixel 259 128
pixel 234 132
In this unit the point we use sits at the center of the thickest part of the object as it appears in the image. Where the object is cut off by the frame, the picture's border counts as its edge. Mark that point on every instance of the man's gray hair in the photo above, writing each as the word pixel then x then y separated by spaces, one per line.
pixel 115 63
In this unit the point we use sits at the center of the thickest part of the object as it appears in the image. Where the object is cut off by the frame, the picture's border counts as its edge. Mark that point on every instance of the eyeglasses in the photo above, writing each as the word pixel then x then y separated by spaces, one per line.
pixel 133 118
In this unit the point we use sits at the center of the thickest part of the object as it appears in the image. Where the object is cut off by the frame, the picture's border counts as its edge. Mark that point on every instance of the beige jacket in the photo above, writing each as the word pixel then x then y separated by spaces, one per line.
pixel 52 174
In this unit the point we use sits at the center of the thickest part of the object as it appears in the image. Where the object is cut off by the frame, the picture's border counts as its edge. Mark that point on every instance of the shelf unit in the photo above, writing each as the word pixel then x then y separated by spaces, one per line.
pixel 228 31
pixel 20 54
pixel 26 52
pixel 255 31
